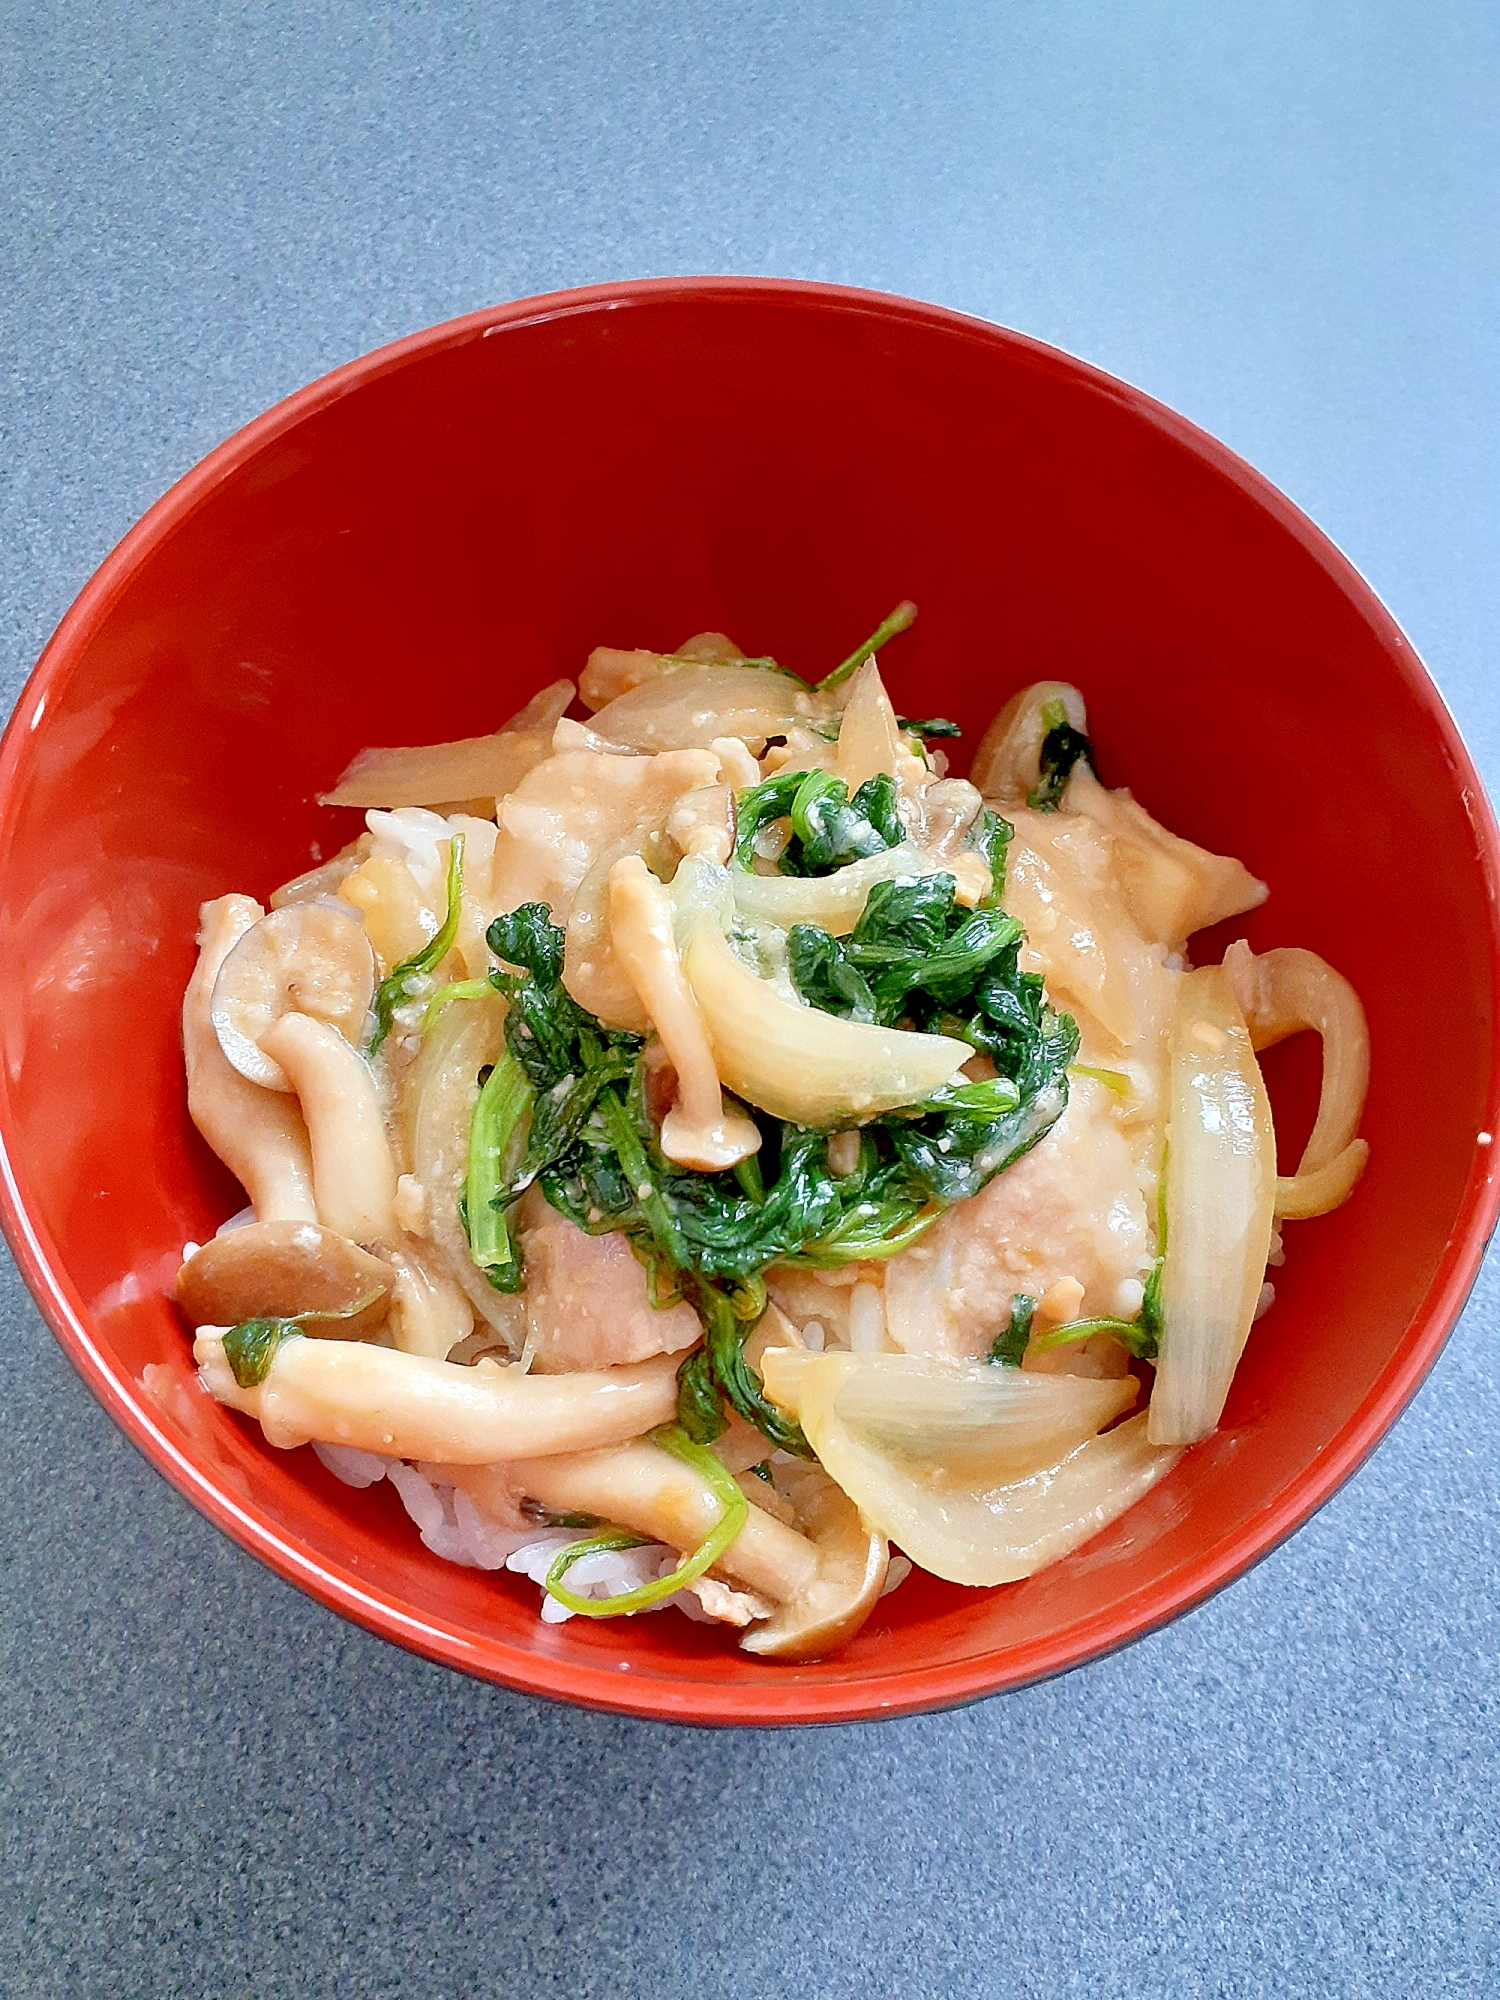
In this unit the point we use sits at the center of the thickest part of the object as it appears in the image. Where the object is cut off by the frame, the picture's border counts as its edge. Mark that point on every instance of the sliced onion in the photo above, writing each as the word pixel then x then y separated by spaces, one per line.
pixel 799 1063
pixel 1300 1196
pixel 1220 1198
pixel 869 741
pixel 835 902
pixel 473 769
pixel 686 707
pixel 1284 991
pixel 981 1474
pixel 1007 763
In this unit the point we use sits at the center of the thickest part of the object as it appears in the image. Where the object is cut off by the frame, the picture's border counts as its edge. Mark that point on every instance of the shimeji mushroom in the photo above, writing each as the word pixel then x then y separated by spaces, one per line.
pixel 276 1270
pixel 698 1131
pixel 353 1173
pixel 821 1577
pixel 651 1492
pixel 259 1134
pixel 308 958
pixel 407 1406
pixel 853 1559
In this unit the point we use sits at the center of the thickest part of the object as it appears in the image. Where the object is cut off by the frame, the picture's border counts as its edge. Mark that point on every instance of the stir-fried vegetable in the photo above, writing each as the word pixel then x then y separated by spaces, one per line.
pixel 980 1474
pixel 1220 1185
pixel 928 725
pixel 505 1097
pixel 250 1347
pixel 828 828
pixel 595 1150
pixel 899 620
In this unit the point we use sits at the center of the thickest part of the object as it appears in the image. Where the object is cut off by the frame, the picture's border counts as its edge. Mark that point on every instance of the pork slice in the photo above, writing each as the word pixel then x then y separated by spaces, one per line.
pixel 586 1299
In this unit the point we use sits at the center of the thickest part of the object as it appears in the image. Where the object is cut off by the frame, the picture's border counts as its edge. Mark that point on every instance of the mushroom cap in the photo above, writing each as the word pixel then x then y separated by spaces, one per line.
pixel 275 1270
pixel 305 958
pixel 852 1562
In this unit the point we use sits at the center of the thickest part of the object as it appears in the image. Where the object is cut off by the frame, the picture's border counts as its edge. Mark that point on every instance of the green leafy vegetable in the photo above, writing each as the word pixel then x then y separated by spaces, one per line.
pixel 991 838
pixel 1062 747
pixel 504 1099
pixel 1010 1346
pixel 395 988
pixel 595 1152
pixel 1132 1334
pixel 735 1509
pixel 930 725
pixel 899 620
pixel 829 829
pixel 250 1347
pixel 825 976
pixel 725 1345
pixel 1151 1313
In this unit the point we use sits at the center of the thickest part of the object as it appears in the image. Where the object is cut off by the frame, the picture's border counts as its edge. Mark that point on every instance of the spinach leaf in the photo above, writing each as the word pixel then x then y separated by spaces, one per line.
pixel 829 829
pixel 824 976
pixel 1010 1346
pixel 930 725
pixel 991 839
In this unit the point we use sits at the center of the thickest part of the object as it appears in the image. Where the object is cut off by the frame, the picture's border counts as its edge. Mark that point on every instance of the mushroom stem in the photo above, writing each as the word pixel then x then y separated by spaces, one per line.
pixel 353 1174
pixel 646 1489
pixel 407 1406
pixel 259 1135
pixel 697 1131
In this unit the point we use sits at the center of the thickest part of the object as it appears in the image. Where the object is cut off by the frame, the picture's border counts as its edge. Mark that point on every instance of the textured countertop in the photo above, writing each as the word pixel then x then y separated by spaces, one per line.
pixel 1281 219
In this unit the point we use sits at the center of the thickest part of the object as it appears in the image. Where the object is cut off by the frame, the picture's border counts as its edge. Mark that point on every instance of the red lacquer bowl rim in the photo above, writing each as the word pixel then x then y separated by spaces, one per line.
pixel 651 1694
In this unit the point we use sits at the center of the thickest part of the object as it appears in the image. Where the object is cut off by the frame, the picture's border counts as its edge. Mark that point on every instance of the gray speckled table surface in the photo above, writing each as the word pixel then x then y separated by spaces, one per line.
pixel 1279 218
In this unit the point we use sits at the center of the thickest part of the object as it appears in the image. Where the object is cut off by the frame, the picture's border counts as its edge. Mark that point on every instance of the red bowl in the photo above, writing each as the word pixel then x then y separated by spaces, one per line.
pixel 405 550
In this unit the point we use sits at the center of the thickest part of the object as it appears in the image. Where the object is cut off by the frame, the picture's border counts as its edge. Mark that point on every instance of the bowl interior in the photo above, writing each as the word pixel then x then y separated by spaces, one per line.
pixel 407 552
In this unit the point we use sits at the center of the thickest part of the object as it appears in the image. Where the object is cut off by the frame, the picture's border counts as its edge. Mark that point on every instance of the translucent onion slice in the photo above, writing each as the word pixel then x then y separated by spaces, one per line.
pixel 1301 1196
pixel 1220 1198
pixel 835 902
pixel 686 707
pixel 474 769
pixel 799 1063
pixel 981 1474
pixel 1282 992
pixel 437 1105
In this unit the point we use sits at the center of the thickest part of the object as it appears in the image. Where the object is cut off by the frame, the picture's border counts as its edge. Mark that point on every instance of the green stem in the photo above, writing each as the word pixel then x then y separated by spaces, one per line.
pixel 501 1105
pixel 653 1203
pixel 393 989
pixel 898 621
pixel 1112 1079
pixel 735 1509
pixel 462 989
pixel 1130 1334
